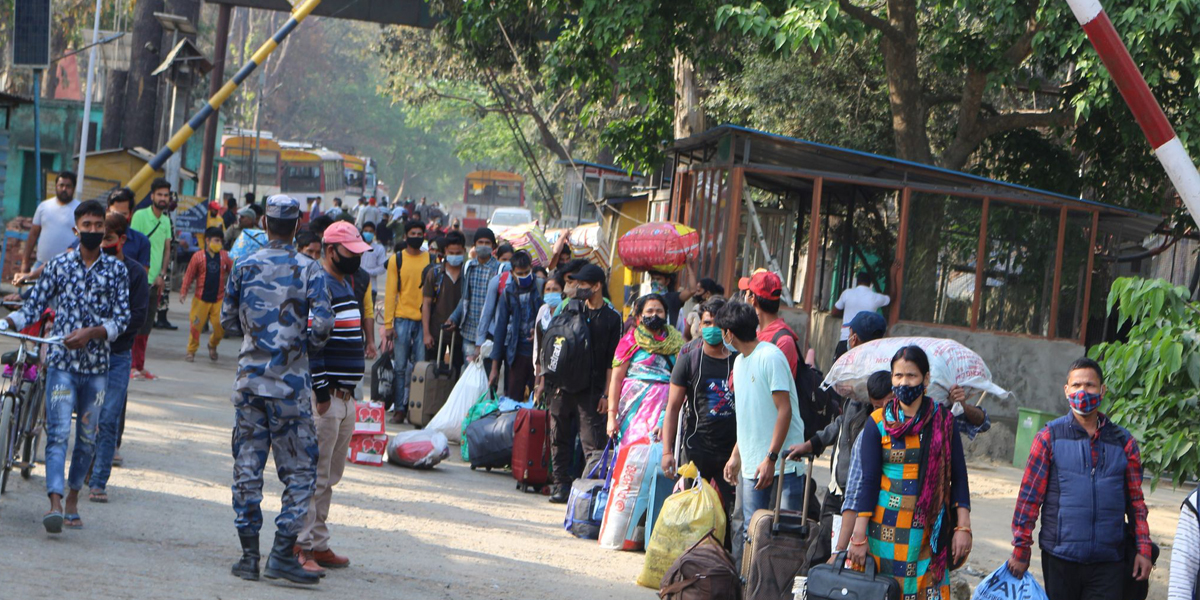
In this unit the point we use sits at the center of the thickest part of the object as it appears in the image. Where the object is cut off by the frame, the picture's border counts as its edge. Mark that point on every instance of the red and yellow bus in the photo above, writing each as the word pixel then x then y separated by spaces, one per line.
pixel 238 170
pixel 484 192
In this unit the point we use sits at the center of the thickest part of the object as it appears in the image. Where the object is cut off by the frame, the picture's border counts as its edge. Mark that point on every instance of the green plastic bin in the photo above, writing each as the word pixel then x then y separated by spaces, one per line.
pixel 1029 423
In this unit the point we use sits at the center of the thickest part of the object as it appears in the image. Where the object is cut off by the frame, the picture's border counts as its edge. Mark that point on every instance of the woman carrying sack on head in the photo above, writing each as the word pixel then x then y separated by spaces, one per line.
pixel 641 374
pixel 914 510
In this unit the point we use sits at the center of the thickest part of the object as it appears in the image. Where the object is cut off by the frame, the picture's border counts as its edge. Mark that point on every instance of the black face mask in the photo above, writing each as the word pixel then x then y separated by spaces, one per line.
pixel 347 266
pixel 414 242
pixel 91 239
pixel 654 323
pixel 583 293
pixel 110 250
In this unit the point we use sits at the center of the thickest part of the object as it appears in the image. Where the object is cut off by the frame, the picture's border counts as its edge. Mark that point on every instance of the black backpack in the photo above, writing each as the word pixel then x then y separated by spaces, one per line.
pixel 818 407
pixel 566 355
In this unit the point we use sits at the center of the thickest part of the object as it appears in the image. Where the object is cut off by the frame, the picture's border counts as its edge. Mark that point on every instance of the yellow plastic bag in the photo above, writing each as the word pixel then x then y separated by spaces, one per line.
pixel 686 516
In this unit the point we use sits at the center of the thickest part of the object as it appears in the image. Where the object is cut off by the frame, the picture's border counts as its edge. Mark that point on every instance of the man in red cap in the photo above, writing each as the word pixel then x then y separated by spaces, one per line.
pixel 765 290
pixel 336 369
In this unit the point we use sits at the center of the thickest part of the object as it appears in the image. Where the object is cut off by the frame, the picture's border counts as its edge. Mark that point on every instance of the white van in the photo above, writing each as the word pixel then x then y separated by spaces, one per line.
pixel 505 217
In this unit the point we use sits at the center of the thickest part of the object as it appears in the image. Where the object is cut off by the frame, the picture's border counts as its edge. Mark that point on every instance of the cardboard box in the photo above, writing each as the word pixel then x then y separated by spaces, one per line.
pixel 367 450
pixel 369 418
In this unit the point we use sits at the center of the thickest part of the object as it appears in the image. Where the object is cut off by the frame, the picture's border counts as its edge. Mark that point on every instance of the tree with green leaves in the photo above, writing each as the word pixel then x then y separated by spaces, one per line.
pixel 1153 377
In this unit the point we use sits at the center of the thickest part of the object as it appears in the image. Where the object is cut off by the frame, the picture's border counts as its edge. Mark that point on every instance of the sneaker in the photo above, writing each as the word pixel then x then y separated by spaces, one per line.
pixel 135 374
pixel 148 376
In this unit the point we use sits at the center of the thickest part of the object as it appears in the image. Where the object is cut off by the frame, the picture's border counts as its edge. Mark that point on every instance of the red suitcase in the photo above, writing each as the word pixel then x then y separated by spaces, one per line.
pixel 531 449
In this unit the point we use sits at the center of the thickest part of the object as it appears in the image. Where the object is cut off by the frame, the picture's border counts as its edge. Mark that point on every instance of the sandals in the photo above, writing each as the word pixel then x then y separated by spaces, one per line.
pixel 53 522
pixel 73 521
pixel 212 353
pixel 98 496
pixel 189 357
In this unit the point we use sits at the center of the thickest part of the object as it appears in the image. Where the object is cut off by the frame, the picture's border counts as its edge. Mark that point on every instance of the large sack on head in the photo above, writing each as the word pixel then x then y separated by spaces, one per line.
pixel 950 364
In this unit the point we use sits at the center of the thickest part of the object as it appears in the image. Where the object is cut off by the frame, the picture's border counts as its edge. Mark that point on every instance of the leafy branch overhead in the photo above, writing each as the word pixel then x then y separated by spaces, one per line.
pixel 1153 378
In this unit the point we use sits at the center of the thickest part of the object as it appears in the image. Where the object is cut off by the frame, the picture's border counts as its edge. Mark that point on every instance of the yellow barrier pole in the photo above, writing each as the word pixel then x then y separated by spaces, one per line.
pixel 181 137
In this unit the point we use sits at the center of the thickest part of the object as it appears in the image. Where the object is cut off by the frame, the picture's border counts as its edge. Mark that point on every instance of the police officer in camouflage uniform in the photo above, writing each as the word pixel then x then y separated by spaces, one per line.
pixel 268 299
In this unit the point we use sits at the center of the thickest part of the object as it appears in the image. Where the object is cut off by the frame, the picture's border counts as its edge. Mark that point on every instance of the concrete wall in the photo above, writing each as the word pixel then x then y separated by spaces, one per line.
pixel 1034 370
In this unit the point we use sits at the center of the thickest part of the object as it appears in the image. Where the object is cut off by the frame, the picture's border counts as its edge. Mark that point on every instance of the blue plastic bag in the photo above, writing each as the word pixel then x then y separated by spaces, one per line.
pixel 507 404
pixel 1003 585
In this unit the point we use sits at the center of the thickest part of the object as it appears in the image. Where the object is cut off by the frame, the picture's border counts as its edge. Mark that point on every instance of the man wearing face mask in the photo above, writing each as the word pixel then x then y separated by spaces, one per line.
pixel 476 275
pixel 116 227
pixel 91 290
pixel 336 369
pixel 516 314
pixel 402 313
pixel 374 262
pixel 442 291
pixel 587 409
pixel 154 223
pixel 210 271
pixel 1085 476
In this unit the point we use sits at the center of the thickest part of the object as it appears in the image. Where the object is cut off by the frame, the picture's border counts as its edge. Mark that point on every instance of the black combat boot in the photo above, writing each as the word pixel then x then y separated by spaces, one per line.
pixel 282 563
pixel 559 494
pixel 247 567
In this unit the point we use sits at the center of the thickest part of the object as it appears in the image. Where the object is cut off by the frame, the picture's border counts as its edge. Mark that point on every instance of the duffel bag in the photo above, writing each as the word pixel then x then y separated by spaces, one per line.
pixel 491 440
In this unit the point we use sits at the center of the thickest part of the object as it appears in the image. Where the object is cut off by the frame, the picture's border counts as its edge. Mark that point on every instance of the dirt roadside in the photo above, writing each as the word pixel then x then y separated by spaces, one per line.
pixel 450 533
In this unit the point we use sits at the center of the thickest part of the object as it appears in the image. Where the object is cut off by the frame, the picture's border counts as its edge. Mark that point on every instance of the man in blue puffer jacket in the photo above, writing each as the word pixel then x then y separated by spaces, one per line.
pixel 1085 475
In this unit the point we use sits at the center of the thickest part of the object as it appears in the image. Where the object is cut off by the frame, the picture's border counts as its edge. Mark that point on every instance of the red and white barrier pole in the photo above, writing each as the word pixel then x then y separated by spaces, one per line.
pixel 1141 101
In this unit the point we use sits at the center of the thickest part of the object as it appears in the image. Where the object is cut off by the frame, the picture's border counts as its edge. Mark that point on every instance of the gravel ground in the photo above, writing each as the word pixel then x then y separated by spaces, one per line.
pixel 167 531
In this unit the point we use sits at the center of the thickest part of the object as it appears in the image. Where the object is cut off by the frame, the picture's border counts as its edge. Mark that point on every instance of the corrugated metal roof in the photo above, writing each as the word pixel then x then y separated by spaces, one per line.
pixel 751 147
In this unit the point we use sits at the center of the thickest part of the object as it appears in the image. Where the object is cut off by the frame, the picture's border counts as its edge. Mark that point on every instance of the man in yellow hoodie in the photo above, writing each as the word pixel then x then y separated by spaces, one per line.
pixel 402 313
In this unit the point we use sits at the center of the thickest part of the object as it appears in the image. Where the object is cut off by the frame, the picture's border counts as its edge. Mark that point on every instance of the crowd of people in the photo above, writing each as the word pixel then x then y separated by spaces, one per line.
pixel 725 376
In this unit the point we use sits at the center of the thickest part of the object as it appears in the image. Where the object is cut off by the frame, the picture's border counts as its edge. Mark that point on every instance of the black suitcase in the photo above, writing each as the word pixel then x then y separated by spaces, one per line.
pixel 835 581
pixel 491 440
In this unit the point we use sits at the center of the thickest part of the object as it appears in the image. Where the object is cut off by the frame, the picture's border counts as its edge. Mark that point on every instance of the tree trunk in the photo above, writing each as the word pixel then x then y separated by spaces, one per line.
pixel 114 103
pixel 141 98
pixel 905 90
pixel 689 115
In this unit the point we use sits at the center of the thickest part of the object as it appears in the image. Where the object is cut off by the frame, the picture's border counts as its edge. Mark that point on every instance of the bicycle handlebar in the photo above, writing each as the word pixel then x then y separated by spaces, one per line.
pixel 54 341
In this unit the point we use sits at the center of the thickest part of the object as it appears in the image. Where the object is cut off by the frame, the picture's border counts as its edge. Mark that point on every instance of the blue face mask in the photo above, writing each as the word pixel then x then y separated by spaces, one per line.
pixel 907 394
pixel 712 335
pixel 525 281
pixel 553 299
pixel 368 236
pixel 728 346
pixel 455 260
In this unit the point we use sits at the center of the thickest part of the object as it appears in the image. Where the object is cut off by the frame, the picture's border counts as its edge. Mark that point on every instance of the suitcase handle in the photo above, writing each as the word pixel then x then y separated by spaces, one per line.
pixel 437 359
pixel 776 526
pixel 840 561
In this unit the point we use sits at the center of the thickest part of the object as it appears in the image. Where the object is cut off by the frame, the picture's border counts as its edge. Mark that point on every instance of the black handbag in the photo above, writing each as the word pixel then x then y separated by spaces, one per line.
pixel 836 582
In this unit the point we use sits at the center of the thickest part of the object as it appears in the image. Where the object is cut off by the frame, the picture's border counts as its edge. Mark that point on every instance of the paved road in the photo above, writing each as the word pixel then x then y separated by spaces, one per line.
pixel 447 533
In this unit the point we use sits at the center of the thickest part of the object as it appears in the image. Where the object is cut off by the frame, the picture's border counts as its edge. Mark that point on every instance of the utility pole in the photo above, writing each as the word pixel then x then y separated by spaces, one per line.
pixel 87 104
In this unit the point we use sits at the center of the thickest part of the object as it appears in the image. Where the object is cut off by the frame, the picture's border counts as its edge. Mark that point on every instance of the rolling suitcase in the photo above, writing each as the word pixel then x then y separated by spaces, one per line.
pixel 432 382
pixel 531 449
pixel 777 545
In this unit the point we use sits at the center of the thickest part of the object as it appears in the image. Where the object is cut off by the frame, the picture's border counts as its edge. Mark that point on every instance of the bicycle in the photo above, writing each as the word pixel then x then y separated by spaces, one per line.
pixel 22 401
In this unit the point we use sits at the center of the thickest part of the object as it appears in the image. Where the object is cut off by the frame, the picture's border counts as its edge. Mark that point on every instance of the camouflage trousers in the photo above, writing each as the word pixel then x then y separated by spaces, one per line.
pixel 285 426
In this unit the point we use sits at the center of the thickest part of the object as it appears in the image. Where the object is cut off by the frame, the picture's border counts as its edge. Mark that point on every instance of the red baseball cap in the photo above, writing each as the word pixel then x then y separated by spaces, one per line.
pixel 763 283
pixel 347 235
pixel 214 205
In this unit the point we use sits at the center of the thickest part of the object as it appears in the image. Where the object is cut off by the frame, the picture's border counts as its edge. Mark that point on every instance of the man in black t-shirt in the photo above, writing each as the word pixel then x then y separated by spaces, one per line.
pixel 585 409
pixel 700 387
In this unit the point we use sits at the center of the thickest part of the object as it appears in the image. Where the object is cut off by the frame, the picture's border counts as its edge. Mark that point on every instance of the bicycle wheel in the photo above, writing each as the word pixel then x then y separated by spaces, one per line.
pixel 8 403
pixel 30 427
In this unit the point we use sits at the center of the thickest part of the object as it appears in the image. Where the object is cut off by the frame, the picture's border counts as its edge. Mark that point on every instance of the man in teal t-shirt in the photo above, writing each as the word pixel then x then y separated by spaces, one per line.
pixel 768 414
pixel 154 223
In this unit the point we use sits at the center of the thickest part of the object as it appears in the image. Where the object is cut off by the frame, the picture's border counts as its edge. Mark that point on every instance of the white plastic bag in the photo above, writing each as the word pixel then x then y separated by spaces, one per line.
pixel 419 449
pixel 950 364
pixel 470 386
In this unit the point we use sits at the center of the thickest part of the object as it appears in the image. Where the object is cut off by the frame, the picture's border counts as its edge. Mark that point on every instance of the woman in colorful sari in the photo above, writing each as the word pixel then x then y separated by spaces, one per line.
pixel 641 376
pixel 914 485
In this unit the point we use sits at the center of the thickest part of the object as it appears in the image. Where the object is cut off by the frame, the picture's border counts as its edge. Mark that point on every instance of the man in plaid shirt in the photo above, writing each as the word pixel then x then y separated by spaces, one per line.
pixel 1085 476
pixel 476 275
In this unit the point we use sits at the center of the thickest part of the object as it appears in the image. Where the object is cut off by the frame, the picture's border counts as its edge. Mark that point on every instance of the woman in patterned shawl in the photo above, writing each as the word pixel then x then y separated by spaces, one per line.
pixel 642 372
pixel 914 512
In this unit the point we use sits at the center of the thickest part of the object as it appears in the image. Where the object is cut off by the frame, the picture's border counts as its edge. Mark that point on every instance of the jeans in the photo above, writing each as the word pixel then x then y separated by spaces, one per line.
pixel 752 499
pixel 110 418
pixel 68 393
pixel 410 350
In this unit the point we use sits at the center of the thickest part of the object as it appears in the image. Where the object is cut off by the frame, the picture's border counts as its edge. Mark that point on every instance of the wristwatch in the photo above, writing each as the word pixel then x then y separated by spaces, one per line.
pixel 774 456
